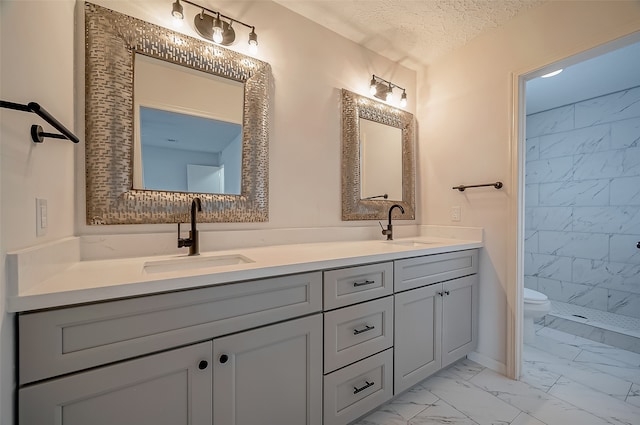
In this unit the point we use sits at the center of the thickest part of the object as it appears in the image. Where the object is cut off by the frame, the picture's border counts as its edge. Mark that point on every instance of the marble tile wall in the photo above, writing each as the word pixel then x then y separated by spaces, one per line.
pixel 582 203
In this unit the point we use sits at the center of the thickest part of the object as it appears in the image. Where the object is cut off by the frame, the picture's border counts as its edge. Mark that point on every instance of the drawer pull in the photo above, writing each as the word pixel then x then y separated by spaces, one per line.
pixel 368 384
pixel 366 282
pixel 367 328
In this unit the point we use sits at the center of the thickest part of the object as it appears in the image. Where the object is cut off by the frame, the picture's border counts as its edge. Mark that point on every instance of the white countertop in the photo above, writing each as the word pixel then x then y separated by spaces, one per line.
pixel 99 280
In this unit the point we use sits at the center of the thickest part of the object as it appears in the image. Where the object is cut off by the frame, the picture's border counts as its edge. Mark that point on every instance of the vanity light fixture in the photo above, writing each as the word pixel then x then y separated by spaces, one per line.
pixel 383 89
pixel 214 26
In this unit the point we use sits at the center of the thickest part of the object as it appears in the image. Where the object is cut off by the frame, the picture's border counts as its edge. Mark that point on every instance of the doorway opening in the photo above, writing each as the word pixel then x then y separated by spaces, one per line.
pixel 579 197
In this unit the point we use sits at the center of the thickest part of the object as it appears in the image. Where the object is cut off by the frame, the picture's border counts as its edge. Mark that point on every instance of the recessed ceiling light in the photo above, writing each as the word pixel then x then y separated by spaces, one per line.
pixel 552 74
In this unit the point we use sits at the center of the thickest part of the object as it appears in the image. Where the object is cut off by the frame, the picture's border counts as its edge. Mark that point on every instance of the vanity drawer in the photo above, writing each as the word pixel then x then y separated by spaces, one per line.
pixel 355 332
pixel 357 284
pixel 56 342
pixel 420 271
pixel 357 389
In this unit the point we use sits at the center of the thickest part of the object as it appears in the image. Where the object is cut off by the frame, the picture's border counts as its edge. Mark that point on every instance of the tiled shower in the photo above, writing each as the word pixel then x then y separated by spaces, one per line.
pixel 582 211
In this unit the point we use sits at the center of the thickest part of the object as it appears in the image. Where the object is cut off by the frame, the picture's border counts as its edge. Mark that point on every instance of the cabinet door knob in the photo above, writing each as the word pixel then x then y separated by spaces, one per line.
pixel 447 292
pixel 203 364
pixel 224 358
pixel 638 246
pixel 440 293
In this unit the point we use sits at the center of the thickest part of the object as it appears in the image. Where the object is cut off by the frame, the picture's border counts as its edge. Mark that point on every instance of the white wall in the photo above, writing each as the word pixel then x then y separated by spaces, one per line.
pixel 466 115
pixel 310 65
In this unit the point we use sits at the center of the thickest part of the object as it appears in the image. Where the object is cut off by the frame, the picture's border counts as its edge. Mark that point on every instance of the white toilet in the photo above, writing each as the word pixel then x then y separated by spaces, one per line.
pixel 536 306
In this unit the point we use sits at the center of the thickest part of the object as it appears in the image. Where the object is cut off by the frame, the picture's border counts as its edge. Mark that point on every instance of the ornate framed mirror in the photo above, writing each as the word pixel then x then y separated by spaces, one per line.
pixel 112 42
pixel 378 162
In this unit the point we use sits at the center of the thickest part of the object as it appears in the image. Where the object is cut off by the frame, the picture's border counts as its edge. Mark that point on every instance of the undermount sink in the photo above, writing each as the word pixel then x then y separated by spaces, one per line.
pixel 194 263
pixel 410 243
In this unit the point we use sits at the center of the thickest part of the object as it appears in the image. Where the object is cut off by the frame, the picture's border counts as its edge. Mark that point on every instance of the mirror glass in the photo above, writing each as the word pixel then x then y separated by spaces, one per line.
pixel 188 129
pixel 377 159
pixel 148 89
pixel 380 161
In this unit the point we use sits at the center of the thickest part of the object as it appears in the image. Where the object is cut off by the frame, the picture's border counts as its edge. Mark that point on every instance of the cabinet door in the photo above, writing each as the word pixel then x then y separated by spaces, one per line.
pixel 271 375
pixel 417 335
pixel 170 388
pixel 459 318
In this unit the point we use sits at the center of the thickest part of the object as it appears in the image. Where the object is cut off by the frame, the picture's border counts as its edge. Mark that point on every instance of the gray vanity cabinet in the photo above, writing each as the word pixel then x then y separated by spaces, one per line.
pixel 435 324
pixel 170 388
pixel 247 353
pixel 271 375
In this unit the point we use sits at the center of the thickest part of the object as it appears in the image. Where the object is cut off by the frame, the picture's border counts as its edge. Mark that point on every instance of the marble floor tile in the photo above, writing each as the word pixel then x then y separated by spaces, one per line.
pixel 411 402
pixel 601 405
pixel 538 376
pixel 536 403
pixel 480 405
pixel 441 413
pixel 524 419
pixel 466 369
pixel 609 366
pixel 552 346
pixel 634 395
pixel 579 372
pixel 382 417
pixel 629 357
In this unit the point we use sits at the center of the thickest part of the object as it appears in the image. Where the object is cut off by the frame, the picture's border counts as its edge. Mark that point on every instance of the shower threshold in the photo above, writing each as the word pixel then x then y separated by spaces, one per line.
pixel 600 326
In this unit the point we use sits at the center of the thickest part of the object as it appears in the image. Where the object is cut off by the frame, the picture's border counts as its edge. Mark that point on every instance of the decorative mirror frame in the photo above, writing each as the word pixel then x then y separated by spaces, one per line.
pixel 111 40
pixel 355 107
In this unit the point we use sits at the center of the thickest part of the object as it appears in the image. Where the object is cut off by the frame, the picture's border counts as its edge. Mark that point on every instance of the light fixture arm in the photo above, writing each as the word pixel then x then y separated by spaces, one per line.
pixel 377 79
pixel 218 14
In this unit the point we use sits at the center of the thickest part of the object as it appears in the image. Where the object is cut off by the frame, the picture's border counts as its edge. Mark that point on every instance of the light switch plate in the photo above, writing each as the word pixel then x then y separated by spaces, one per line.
pixel 455 213
pixel 42 219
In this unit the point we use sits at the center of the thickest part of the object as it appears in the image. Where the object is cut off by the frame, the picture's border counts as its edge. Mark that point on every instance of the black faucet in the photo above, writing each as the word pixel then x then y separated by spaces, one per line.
pixel 192 241
pixel 389 230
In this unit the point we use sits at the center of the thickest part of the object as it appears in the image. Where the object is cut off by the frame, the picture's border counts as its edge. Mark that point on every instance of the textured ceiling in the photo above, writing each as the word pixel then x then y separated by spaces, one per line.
pixel 412 33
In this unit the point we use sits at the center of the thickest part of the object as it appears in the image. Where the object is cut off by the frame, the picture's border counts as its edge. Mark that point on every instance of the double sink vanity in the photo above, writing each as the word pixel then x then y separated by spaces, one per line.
pixel 314 333
pixel 293 334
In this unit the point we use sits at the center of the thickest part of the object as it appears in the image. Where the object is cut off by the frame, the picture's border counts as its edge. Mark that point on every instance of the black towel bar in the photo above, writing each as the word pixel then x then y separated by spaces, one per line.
pixel 461 188
pixel 37 134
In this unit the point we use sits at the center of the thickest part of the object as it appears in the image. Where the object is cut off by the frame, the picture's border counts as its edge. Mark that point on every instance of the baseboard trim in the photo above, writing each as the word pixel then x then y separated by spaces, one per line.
pixel 485 361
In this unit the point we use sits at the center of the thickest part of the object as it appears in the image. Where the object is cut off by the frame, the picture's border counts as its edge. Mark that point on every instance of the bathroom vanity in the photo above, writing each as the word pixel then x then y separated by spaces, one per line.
pixel 353 325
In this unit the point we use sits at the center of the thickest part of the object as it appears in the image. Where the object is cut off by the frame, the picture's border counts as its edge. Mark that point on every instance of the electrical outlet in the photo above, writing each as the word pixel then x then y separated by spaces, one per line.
pixel 42 220
pixel 455 213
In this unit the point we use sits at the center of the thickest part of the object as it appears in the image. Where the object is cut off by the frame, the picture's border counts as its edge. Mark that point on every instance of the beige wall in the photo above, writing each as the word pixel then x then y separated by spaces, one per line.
pixel 465 114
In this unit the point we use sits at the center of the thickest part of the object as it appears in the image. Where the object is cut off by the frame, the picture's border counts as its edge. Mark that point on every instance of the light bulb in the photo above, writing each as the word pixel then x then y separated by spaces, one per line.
pixel 217 30
pixel 177 10
pixel 389 94
pixel 403 99
pixel 177 13
pixel 373 88
pixel 253 42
